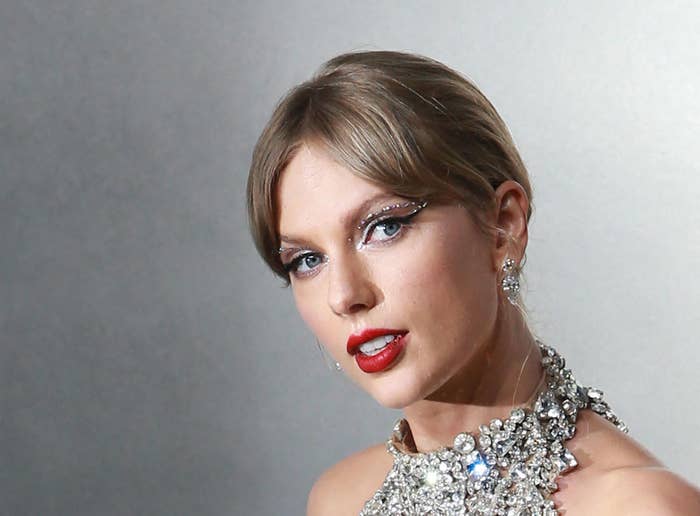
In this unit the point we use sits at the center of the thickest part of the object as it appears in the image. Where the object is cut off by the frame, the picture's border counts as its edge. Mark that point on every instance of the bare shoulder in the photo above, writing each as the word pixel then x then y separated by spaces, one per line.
pixel 617 475
pixel 650 490
pixel 343 488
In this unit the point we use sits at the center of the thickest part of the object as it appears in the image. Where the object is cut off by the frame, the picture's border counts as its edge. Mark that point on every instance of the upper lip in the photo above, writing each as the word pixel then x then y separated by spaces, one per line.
pixel 358 338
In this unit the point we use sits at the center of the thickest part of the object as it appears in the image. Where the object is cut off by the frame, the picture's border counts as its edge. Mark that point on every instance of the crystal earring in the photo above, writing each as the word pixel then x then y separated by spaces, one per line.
pixel 510 283
pixel 338 367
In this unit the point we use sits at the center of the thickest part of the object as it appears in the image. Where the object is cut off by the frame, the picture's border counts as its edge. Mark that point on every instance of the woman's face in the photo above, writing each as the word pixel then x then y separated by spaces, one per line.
pixel 427 277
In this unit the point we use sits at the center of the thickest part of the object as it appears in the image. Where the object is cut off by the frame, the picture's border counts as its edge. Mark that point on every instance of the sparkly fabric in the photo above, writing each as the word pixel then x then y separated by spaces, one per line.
pixel 509 467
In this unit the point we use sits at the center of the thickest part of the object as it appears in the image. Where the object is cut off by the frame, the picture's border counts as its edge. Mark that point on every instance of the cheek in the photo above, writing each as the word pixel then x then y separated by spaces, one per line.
pixel 448 285
pixel 449 261
pixel 313 309
pixel 307 310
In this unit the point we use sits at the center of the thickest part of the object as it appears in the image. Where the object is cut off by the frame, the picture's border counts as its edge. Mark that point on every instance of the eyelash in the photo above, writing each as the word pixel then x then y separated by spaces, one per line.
pixel 291 267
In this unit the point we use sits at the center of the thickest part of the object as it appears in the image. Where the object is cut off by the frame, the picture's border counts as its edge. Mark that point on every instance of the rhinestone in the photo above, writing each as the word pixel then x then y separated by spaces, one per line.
pixel 478 468
pixel 464 442
pixel 484 442
pixel 431 477
pixel 569 407
pixel 491 458
pixel 520 461
pixel 400 428
pixel 517 415
pixel 445 454
pixel 504 446
pixel 554 412
pixel 473 457
pixel 595 394
pixel 600 408
pixel 568 458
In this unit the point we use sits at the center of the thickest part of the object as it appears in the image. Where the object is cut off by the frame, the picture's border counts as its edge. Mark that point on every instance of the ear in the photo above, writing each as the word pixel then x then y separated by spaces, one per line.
pixel 512 204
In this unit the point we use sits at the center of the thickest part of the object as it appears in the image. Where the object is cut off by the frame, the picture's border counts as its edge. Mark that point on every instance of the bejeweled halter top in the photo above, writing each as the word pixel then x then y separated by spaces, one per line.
pixel 509 467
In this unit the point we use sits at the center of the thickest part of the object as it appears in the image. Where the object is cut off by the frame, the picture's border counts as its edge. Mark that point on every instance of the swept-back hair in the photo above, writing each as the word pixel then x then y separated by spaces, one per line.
pixel 402 121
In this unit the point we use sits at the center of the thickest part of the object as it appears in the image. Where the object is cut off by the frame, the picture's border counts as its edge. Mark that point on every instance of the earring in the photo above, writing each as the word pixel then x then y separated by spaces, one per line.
pixel 331 364
pixel 510 283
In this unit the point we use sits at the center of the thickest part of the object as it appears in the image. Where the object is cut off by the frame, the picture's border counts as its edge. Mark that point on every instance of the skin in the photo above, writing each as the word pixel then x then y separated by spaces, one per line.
pixel 469 357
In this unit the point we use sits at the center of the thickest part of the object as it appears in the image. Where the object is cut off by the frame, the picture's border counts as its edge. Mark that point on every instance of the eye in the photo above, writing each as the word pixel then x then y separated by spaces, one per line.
pixel 303 264
pixel 384 229
pixel 388 228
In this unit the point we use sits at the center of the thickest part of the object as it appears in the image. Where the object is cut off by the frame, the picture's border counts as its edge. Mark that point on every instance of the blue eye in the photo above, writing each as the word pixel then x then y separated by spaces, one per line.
pixel 304 264
pixel 380 230
pixel 388 227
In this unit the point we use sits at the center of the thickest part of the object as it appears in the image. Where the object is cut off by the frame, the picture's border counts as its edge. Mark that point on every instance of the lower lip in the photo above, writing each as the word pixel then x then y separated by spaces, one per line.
pixel 383 359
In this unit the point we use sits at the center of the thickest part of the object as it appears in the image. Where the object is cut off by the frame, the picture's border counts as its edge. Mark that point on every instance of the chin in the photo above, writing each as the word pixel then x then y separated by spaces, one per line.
pixel 390 402
pixel 399 387
pixel 395 395
pixel 393 402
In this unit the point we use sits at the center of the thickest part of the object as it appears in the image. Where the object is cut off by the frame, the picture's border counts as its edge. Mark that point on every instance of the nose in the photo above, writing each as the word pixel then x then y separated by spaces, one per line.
pixel 350 289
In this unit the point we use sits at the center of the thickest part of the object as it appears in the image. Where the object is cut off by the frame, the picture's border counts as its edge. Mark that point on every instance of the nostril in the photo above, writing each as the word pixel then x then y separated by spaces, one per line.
pixel 352 301
pixel 357 307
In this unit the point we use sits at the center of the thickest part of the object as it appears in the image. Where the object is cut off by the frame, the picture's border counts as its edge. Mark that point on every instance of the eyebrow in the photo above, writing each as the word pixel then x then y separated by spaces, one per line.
pixel 350 219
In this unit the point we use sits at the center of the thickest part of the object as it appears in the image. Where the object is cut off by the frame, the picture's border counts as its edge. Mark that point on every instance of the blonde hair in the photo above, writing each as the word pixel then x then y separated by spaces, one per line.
pixel 402 121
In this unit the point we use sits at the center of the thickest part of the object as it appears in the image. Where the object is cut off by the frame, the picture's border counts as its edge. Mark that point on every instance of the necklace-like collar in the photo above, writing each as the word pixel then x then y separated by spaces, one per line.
pixel 509 467
pixel 402 436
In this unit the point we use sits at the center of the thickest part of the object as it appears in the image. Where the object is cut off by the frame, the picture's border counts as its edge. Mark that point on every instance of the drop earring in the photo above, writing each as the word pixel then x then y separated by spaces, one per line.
pixel 510 282
pixel 331 364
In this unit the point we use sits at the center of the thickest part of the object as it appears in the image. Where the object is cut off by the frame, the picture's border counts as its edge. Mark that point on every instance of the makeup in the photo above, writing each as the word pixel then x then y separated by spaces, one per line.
pixel 398 215
pixel 419 205
pixel 376 349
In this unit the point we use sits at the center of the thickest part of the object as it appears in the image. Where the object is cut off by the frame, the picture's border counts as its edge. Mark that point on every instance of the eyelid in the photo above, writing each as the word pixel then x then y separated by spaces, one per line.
pixel 376 219
pixel 365 226
pixel 299 254
pixel 419 205
pixel 404 221
pixel 292 266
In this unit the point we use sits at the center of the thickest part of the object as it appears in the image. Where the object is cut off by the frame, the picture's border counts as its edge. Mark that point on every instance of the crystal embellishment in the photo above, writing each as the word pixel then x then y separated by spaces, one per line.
pixel 510 467
pixel 510 282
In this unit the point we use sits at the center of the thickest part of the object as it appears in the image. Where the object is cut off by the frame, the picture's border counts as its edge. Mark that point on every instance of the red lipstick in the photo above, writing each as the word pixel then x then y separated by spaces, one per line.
pixel 384 358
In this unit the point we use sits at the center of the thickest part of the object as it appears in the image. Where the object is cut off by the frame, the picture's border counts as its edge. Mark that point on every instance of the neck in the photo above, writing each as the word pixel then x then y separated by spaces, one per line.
pixel 504 372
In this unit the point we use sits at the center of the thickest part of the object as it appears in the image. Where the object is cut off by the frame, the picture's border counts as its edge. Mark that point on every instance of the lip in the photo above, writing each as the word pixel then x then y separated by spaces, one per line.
pixel 385 358
pixel 357 339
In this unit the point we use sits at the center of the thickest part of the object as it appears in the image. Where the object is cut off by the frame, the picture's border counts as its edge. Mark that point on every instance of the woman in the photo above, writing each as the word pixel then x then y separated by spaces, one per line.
pixel 388 192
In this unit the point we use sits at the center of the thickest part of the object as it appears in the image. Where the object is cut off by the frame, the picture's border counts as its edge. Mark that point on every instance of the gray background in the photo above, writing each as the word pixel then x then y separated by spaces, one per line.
pixel 151 365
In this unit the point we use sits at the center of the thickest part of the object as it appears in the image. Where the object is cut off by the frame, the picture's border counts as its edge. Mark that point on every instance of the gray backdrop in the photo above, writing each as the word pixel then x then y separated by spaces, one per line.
pixel 151 365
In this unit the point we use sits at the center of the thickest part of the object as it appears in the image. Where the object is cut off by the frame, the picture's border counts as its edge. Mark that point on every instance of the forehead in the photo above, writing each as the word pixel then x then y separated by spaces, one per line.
pixel 314 190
